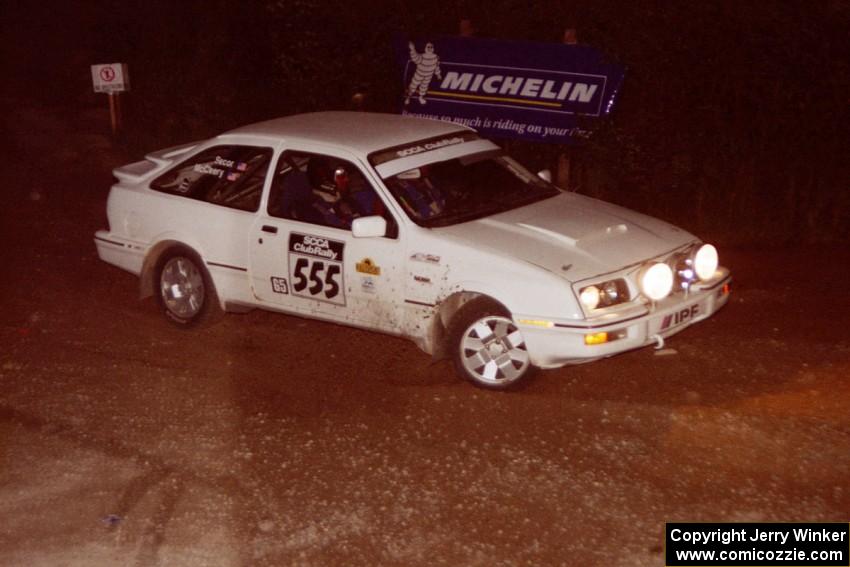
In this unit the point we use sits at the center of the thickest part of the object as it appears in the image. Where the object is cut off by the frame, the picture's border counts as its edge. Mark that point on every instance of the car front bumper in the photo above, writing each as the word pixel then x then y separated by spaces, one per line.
pixel 566 342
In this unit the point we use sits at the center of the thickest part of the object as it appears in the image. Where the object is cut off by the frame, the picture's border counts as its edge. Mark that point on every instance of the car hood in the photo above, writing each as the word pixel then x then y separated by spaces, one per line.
pixel 572 236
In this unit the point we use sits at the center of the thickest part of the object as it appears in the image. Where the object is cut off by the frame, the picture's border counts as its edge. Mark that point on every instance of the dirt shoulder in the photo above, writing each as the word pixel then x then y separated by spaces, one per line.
pixel 275 440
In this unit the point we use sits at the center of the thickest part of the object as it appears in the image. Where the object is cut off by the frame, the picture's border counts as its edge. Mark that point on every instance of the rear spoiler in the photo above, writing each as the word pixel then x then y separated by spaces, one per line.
pixel 154 161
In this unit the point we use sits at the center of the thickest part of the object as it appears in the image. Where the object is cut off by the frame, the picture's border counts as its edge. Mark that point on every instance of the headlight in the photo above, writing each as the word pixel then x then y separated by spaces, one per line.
pixel 604 294
pixel 705 262
pixel 656 281
pixel 589 297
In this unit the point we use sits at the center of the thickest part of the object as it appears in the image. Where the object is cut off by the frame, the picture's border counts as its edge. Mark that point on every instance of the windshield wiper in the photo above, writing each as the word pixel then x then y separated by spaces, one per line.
pixel 526 199
pixel 464 216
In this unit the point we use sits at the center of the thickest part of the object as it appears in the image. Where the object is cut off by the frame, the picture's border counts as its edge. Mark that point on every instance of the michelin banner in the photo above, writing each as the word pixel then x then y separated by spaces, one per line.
pixel 543 92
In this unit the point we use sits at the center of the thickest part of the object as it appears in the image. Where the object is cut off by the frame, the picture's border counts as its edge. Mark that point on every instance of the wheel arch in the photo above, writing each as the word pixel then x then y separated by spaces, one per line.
pixel 447 309
pixel 500 363
pixel 148 274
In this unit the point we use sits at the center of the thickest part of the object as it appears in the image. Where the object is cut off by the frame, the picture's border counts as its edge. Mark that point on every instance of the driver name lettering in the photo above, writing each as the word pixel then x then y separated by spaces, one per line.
pixel 224 162
pixel 209 170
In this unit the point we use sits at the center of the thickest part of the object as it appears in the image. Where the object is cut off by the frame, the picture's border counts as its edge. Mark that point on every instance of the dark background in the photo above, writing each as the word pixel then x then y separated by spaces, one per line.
pixel 275 440
pixel 733 121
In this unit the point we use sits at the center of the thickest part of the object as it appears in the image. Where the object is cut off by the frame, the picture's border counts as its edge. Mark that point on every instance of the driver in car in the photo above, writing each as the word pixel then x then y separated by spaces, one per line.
pixel 343 196
pixel 417 194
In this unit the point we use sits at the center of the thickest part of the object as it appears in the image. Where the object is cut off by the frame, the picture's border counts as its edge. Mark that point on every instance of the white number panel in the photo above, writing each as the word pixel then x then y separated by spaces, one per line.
pixel 316 268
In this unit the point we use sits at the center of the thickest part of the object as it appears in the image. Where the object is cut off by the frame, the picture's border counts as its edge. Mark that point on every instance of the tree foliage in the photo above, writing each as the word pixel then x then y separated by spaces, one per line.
pixel 733 119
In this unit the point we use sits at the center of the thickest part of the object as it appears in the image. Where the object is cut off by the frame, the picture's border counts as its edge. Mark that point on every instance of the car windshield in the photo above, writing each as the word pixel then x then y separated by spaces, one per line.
pixel 458 190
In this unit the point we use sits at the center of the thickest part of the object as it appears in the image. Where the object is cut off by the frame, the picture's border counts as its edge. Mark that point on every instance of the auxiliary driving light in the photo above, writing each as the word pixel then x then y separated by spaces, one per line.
pixel 705 262
pixel 596 338
pixel 603 337
pixel 656 281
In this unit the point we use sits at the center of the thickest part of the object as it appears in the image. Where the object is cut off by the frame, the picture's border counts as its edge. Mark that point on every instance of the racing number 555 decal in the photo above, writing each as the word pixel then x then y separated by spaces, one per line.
pixel 315 268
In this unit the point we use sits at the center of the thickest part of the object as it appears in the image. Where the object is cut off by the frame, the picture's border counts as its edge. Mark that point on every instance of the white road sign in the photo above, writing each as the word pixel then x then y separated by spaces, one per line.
pixel 110 78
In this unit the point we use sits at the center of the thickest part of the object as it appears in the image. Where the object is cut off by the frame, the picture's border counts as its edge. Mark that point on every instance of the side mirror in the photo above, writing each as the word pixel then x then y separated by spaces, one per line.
pixel 369 227
pixel 545 175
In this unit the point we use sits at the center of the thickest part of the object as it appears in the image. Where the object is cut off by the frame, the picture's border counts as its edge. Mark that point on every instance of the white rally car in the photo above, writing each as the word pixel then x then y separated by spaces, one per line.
pixel 407 226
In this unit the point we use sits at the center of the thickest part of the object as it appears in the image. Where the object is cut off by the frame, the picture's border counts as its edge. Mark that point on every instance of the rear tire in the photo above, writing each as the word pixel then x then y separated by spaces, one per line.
pixel 184 289
pixel 487 347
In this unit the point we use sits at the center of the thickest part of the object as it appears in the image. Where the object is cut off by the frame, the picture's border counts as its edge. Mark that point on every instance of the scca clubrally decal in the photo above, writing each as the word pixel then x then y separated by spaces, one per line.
pixel 315 268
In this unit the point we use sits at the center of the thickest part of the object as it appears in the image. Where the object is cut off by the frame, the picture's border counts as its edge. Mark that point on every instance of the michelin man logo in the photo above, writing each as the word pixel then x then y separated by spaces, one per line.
pixel 427 65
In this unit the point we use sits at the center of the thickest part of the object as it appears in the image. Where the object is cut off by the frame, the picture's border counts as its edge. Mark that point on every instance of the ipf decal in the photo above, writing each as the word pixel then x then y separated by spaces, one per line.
pixel 679 317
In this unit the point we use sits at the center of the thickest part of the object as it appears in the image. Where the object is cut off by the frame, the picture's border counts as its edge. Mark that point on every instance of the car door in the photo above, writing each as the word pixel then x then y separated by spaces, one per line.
pixel 304 257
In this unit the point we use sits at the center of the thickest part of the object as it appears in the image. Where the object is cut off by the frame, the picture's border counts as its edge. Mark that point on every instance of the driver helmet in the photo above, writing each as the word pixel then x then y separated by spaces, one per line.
pixel 341 179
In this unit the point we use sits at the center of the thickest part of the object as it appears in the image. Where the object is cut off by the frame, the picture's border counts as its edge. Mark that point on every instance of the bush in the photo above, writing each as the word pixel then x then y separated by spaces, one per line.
pixel 732 122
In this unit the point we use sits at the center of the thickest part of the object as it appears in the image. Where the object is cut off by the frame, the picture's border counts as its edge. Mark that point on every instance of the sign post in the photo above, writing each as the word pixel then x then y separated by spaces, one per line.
pixel 112 79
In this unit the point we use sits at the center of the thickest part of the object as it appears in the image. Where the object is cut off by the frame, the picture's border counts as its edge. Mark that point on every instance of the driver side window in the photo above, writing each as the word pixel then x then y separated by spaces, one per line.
pixel 324 190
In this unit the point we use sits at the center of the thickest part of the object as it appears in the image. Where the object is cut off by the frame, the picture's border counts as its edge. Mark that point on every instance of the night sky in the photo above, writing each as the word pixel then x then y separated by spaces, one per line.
pixel 730 105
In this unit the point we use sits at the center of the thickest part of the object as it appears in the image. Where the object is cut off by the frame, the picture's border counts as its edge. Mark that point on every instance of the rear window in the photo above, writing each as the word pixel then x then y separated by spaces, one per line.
pixel 230 176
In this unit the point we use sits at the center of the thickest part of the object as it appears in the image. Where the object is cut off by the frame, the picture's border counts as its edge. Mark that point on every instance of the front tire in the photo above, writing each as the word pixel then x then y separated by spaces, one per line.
pixel 184 289
pixel 487 347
